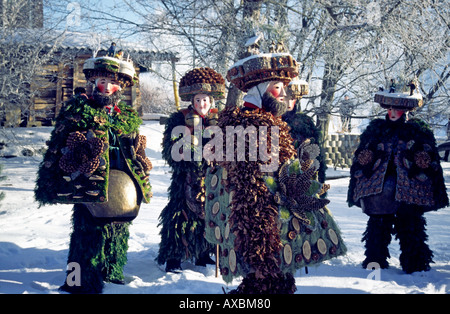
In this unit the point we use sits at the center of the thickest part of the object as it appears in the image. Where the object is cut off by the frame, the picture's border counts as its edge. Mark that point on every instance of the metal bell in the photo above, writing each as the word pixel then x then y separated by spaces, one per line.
pixel 192 119
pixel 124 199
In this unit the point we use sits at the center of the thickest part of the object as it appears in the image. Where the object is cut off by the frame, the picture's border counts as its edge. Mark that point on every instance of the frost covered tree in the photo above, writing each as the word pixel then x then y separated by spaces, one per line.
pixel 355 46
pixel 345 47
pixel 25 46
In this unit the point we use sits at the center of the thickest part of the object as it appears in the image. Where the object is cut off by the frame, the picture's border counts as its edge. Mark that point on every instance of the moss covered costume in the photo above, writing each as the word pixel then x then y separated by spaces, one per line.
pixel 85 145
pixel 182 221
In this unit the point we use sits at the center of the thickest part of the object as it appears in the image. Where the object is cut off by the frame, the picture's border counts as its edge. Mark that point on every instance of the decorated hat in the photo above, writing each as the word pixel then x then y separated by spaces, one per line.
pixel 120 70
pixel 400 96
pixel 202 81
pixel 263 67
pixel 298 88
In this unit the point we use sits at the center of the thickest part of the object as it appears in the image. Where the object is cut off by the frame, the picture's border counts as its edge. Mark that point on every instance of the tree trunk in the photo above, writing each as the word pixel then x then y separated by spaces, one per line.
pixel 329 82
pixel 251 14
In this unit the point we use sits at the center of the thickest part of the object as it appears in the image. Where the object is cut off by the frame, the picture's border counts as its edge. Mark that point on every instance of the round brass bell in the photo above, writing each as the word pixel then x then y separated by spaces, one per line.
pixel 124 199
pixel 194 140
pixel 192 119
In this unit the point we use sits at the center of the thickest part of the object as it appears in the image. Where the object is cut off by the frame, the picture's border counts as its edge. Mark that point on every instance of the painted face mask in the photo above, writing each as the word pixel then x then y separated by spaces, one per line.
pixel 277 90
pixel 202 104
pixel 395 114
pixel 107 86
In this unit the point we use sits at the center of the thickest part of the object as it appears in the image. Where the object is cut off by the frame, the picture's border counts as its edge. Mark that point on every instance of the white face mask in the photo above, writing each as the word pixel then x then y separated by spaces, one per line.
pixel 107 86
pixel 277 90
pixel 202 104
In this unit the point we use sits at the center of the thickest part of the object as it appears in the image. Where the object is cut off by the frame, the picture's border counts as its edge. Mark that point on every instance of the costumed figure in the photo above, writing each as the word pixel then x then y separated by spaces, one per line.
pixel 346 110
pixel 302 126
pixel 263 210
pixel 183 219
pixel 396 177
pixel 96 160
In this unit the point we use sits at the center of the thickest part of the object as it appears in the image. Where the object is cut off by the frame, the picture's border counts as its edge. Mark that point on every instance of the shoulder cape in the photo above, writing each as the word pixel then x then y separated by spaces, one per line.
pixel 418 162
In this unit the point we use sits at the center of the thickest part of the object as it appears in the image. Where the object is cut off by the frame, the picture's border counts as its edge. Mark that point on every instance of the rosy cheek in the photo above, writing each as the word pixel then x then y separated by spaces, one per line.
pixel 275 92
pixel 101 88
pixel 114 88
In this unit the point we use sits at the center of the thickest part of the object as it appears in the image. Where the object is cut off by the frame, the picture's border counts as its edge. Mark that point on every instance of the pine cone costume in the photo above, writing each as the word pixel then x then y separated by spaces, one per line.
pixel 263 223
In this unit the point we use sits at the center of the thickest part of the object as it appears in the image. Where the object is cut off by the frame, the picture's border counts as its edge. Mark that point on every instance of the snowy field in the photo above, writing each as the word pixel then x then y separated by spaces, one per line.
pixel 34 241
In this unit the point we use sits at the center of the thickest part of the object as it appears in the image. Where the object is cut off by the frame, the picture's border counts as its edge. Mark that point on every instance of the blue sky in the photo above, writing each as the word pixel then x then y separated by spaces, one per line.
pixel 83 16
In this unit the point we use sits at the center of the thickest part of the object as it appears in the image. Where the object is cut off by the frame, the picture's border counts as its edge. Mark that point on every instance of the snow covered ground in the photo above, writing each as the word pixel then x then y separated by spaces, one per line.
pixel 34 241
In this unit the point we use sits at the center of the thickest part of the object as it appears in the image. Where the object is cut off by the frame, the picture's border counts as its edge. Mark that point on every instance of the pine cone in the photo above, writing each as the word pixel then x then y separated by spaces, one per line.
pixel 83 155
pixel 422 160
pixel 95 146
pixel 67 163
pixel 140 145
pixel 365 157
pixel 306 164
pixel 74 139
pixel 90 166
pixel 201 75
pixel 145 162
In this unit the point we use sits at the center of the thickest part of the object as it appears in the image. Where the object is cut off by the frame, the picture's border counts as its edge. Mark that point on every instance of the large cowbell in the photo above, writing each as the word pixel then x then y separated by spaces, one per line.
pixel 124 199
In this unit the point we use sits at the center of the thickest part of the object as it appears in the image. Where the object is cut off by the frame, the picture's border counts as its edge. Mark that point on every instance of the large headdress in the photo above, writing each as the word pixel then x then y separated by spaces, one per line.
pixel 298 88
pixel 113 67
pixel 263 67
pixel 403 96
pixel 202 81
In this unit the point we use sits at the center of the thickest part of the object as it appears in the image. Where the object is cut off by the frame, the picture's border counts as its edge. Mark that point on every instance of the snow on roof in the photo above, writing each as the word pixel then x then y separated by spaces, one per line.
pixel 75 40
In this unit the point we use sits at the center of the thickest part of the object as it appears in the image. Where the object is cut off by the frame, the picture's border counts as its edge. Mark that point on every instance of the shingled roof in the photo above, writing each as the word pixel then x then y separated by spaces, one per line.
pixel 65 40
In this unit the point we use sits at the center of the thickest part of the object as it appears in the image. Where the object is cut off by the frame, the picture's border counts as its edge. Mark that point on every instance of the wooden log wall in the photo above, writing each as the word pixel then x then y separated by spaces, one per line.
pixel 55 83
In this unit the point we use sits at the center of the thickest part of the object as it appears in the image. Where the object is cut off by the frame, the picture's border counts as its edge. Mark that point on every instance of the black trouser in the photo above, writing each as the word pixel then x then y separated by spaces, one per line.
pixel 408 224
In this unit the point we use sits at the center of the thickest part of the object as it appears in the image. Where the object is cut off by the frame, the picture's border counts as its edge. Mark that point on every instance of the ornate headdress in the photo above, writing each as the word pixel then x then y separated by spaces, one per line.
pixel 298 88
pixel 202 81
pixel 111 66
pixel 259 68
pixel 398 96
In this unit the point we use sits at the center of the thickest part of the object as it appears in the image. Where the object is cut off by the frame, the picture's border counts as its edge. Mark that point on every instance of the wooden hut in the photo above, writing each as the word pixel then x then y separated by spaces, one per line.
pixel 55 81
